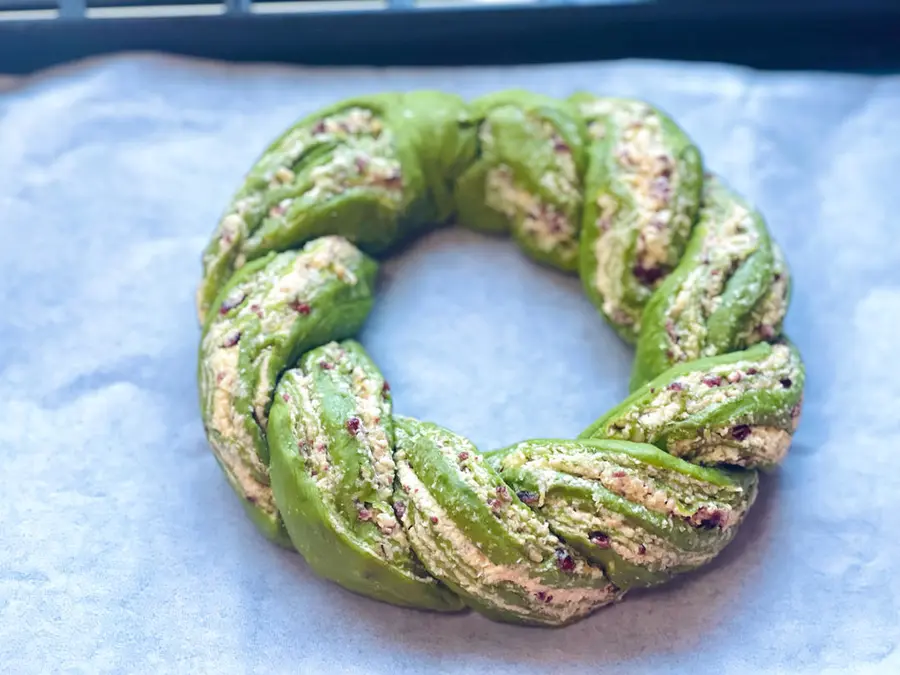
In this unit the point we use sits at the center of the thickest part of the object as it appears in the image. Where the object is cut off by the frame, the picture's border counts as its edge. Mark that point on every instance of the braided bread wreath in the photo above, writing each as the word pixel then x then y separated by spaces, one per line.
pixel 407 512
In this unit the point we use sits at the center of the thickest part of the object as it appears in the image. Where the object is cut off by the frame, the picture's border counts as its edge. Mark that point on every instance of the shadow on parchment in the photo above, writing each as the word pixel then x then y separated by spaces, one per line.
pixel 672 618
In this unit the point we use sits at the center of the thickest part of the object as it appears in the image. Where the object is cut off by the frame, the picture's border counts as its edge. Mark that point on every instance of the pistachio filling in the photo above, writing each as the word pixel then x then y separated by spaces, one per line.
pixel 481 540
pixel 660 489
pixel 567 171
pixel 346 483
pixel 275 296
pixel 244 346
pixel 638 512
pixel 730 235
pixel 765 321
pixel 607 529
pixel 366 422
pixel 549 225
pixel 704 390
pixel 543 224
pixel 514 589
pixel 364 155
pixel 738 445
pixel 468 466
pixel 645 229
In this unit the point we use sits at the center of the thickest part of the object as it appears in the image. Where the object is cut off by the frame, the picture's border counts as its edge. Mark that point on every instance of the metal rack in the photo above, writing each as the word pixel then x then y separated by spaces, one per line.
pixel 822 34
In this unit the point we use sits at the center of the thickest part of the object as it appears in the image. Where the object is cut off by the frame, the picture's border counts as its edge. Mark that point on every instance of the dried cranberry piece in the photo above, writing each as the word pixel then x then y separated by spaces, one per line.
pixel 712 380
pixel 647 275
pixel 740 432
pixel 560 145
pixel 661 189
pixel 527 497
pixel 674 386
pixel 353 425
pixel 231 302
pixel 325 365
pixel 707 518
pixel 599 539
pixel 564 560
pixel 400 509
pixel 301 307
pixel 232 339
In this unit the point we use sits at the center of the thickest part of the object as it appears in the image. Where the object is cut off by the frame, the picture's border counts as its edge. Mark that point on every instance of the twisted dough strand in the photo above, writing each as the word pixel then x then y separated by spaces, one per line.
pixel 404 511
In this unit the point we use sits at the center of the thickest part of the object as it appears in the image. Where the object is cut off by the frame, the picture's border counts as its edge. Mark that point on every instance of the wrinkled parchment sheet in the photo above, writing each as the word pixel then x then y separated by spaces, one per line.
pixel 122 549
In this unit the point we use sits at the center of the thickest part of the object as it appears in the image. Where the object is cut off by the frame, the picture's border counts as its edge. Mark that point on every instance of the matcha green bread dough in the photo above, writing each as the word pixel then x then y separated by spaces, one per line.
pixel 542 532
pixel 737 409
pixel 642 194
pixel 333 471
pixel 526 178
pixel 713 302
pixel 640 513
pixel 268 314
pixel 367 169
pixel 472 532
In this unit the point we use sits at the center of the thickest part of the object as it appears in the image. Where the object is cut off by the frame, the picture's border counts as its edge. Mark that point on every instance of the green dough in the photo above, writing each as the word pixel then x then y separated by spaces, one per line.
pixel 473 533
pixel 707 305
pixel 641 514
pixel 527 177
pixel 545 531
pixel 766 318
pixel 369 169
pixel 642 194
pixel 331 437
pixel 269 313
pixel 740 408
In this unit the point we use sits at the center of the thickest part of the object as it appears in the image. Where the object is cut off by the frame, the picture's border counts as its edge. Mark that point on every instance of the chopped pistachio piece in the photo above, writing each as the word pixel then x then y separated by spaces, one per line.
pixel 527 177
pixel 642 195
pixel 740 408
pixel 641 514
pixel 705 306
pixel 270 312
pixel 473 533
pixel 331 437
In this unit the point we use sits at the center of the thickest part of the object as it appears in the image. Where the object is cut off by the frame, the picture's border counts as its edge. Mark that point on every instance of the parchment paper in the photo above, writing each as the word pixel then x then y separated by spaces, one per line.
pixel 122 549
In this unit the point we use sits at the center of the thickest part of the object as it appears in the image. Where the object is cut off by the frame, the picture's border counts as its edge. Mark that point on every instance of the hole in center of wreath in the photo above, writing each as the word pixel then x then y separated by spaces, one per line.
pixel 473 335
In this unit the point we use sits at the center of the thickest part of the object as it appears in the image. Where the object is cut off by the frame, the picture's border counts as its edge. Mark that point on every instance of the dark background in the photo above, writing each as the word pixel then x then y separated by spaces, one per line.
pixel 849 35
